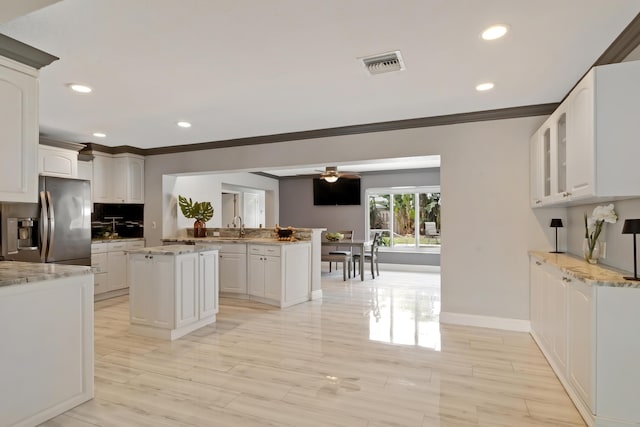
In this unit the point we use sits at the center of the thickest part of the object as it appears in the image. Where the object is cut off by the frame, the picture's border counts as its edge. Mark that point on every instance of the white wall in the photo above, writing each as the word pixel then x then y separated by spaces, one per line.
pixel 619 246
pixel 487 226
pixel 201 187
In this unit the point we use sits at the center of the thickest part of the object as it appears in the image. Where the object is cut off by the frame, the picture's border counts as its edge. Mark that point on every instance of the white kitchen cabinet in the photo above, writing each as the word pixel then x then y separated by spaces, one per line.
pixel 581 332
pixel 264 272
pixel 549 310
pixel 118 178
pixel 172 293
pixel 187 307
pixel 586 151
pixel 135 179
pixel 208 276
pixel 580 320
pixel 233 268
pixel 110 265
pixel 18 132
pixel 55 161
pixel 101 178
pixel 151 300
pixel 117 271
pixel 279 274
pixel 536 179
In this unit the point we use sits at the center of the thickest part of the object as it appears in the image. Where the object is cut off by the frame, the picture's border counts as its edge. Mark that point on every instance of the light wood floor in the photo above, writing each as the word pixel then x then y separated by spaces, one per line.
pixel 368 354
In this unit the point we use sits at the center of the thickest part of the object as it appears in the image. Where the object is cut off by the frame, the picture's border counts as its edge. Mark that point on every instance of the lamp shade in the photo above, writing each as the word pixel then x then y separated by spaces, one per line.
pixel 631 226
pixel 556 222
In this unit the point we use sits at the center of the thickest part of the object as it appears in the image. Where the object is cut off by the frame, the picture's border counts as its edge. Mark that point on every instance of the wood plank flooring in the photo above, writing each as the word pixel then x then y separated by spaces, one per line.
pixel 368 354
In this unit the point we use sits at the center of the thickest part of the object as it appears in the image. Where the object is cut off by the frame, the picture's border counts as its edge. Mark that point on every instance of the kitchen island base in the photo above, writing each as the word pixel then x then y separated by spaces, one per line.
pixel 174 290
pixel 169 334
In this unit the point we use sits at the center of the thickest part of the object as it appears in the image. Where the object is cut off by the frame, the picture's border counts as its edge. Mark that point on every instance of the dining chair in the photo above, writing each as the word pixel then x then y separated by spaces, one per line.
pixel 340 256
pixel 348 236
pixel 372 256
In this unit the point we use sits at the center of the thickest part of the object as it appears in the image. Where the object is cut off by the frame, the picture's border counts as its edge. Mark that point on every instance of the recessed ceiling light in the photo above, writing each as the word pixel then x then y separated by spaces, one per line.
pixel 484 86
pixel 99 135
pixel 495 32
pixel 80 88
pixel 184 124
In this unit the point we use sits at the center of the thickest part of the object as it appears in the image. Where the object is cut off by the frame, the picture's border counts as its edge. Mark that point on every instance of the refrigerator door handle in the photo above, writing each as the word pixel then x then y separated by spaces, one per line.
pixel 44 227
pixel 52 224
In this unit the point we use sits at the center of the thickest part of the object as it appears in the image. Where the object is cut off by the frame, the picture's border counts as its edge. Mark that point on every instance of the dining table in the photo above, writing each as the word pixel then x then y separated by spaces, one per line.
pixel 360 244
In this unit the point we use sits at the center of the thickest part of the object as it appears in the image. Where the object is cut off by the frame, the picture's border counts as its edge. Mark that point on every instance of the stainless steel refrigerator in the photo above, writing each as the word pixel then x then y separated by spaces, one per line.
pixel 55 230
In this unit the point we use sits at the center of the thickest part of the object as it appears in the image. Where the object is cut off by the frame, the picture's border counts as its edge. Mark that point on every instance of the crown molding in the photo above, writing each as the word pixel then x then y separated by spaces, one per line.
pixel 623 45
pixel 451 119
pixel 24 54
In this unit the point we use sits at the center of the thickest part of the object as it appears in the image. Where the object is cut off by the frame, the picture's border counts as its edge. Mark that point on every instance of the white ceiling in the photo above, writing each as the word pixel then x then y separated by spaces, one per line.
pixel 241 68
pixel 418 162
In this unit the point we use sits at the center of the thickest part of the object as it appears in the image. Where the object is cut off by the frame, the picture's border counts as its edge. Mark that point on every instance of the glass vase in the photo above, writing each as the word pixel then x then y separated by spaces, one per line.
pixel 591 255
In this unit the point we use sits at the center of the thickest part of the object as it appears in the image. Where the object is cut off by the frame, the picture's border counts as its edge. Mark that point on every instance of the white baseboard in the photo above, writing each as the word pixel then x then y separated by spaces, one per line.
pixel 408 267
pixel 486 321
pixel 317 294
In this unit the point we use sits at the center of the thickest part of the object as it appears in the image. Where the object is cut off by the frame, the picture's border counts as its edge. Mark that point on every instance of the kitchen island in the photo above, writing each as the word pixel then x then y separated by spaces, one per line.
pixel 174 289
pixel 46 318
pixel 263 269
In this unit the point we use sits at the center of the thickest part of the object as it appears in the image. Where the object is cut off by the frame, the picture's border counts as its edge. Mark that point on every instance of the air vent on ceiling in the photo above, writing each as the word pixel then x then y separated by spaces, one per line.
pixel 384 63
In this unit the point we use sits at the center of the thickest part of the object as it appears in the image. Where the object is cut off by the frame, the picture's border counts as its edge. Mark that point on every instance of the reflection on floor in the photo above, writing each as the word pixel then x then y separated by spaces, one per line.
pixel 368 354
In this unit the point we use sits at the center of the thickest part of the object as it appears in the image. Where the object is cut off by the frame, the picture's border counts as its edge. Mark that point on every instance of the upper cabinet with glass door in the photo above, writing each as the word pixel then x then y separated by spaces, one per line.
pixel 549 160
pixel 588 149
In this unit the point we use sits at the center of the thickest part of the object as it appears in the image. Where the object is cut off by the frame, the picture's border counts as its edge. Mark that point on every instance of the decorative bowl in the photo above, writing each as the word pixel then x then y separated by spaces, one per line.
pixel 334 237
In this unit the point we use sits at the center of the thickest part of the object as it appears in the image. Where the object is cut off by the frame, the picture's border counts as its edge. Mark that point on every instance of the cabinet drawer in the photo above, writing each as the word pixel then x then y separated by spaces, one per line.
pixel 99 283
pixel 264 250
pixel 116 246
pixel 99 262
pixel 272 250
pixel 98 248
pixel 135 244
pixel 233 248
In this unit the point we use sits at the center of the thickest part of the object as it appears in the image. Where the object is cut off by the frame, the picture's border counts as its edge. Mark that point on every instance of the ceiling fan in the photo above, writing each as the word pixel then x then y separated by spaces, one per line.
pixel 331 174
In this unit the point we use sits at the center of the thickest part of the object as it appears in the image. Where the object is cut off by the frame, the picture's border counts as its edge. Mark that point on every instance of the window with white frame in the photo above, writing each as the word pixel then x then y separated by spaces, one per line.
pixel 407 217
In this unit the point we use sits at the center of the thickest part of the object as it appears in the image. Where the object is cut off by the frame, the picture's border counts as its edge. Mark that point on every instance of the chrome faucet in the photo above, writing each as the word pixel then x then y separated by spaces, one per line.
pixel 242 232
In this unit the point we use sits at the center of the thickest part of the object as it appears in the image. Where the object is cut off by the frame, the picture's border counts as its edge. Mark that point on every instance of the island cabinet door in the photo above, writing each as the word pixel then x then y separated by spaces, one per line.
pixel 186 289
pixel 255 280
pixel 208 265
pixel 151 294
pixel 273 277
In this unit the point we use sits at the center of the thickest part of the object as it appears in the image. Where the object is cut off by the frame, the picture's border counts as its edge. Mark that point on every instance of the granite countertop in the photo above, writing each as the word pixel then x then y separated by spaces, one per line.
pixel 171 250
pixel 17 272
pixel 221 240
pixel 578 268
pixel 117 239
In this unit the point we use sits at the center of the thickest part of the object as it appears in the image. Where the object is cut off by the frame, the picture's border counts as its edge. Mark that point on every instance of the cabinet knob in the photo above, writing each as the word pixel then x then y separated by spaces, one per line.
pixel 566 279
pixel 538 263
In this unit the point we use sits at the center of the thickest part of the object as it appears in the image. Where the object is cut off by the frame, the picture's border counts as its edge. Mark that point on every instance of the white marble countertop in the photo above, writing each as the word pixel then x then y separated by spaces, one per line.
pixel 171 250
pixel 578 268
pixel 221 240
pixel 118 239
pixel 17 272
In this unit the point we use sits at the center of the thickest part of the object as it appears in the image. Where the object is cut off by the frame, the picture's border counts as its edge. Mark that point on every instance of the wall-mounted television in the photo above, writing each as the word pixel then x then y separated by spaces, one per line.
pixel 345 191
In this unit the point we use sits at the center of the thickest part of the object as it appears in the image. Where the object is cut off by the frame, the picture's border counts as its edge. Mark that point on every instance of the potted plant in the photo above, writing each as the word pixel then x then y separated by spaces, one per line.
pixel 200 211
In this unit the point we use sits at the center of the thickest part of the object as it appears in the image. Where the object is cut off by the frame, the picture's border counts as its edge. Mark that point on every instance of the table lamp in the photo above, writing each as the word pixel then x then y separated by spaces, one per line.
pixel 556 222
pixel 632 226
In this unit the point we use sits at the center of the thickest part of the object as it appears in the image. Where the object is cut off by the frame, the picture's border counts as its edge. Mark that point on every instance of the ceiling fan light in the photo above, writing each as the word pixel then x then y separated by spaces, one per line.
pixel 331 178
